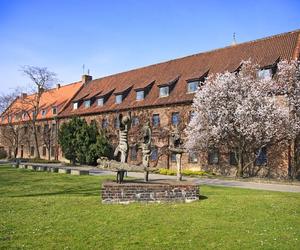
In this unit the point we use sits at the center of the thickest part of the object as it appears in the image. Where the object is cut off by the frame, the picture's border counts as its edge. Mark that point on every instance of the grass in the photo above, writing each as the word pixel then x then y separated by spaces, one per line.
pixel 41 210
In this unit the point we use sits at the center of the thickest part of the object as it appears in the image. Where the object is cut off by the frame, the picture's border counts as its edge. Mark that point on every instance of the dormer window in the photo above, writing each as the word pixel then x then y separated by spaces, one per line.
pixel 54 110
pixel 87 103
pixel 75 105
pixel 100 101
pixel 119 99
pixel 43 112
pixel 192 86
pixel 140 95
pixel 265 74
pixel 164 91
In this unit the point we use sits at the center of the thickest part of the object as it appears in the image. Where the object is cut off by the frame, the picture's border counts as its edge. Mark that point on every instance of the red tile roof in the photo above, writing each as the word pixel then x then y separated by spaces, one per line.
pixel 56 97
pixel 263 51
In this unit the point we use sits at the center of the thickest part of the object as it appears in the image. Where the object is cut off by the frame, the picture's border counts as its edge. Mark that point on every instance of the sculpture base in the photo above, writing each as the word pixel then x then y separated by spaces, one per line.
pixel 150 192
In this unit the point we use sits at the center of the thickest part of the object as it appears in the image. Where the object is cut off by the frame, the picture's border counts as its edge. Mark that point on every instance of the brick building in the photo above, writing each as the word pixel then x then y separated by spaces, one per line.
pixel 163 93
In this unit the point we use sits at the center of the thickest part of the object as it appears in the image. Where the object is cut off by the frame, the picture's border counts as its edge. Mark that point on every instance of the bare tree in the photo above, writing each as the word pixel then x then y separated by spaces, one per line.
pixel 49 137
pixel 11 121
pixel 41 80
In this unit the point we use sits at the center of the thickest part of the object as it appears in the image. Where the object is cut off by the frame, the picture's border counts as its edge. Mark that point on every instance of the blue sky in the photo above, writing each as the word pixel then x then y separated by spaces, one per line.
pixel 118 35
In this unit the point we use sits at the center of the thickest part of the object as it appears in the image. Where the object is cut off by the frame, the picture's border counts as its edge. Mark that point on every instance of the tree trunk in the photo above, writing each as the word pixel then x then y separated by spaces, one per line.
pixel 49 154
pixel 240 167
pixel 16 152
pixel 296 167
pixel 36 142
pixel 73 162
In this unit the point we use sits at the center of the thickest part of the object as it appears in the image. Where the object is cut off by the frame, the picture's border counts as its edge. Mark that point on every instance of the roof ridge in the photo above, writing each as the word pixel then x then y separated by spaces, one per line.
pixel 200 53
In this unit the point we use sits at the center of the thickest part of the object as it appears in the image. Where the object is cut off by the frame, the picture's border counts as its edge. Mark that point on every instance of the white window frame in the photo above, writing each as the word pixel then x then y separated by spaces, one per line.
pixel 162 93
pixel 192 83
pixel 140 95
pixel 87 103
pixel 265 74
pixel 100 101
pixel 119 99
pixel 75 105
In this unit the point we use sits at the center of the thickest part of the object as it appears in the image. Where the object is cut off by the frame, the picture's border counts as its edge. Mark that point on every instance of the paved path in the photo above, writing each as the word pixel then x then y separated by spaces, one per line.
pixel 213 182
pixel 201 181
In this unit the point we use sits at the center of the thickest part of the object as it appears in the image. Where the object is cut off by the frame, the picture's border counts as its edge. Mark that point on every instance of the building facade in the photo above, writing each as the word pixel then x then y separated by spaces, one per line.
pixel 163 93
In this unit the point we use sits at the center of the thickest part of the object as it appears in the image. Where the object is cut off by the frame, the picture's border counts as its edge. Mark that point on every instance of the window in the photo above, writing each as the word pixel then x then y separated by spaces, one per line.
pixel 154 154
pixel 164 91
pixel 100 101
pixel 265 73
pixel 139 95
pixel 54 110
pixel 133 153
pixel 39 129
pixel 52 151
pixel 53 128
pixel 192 86
pixel 24 116
pixel 175 118
pixel 104 123
pixel 75 105
pixel 155 120
pixel 25 130
pixel 119 99
pixel 193 157
pixel 46 128
pixel 87 103
pixel 135 121
pixel 262 157
pixel 43 112
pixel 44 151
pixel 192 114
pixel 31 151
pixel 213 157
pixel 117 122
pixel 232 159
pixel 173 157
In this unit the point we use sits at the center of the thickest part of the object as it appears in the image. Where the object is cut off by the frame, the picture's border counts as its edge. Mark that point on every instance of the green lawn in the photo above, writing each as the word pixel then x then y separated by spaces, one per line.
pixel 55 211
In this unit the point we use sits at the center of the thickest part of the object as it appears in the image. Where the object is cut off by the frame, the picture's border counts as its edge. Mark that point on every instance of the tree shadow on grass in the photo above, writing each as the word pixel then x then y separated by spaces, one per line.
pixel 202 197
pixel 69 191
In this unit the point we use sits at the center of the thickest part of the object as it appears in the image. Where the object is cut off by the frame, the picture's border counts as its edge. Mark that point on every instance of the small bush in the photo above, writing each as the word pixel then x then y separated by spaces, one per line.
pixel 37 160
pixel 184 172
pixel 3 154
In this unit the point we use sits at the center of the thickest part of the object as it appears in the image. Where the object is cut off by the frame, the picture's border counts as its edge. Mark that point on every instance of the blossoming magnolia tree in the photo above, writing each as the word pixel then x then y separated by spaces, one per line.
pixel 244 113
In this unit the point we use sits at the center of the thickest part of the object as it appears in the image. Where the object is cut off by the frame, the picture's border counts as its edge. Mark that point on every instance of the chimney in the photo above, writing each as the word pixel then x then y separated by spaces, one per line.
pixel 23 95
pixel 86 79
pixel 58 86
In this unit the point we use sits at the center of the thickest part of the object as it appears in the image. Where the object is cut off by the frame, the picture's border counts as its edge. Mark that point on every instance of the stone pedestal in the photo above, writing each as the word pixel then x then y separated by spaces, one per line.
pixel 64 170
pixel 79 172
pixel 31 167
pixel 41 168
pixel 154 191
pixel 23 166
pixel 178 165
